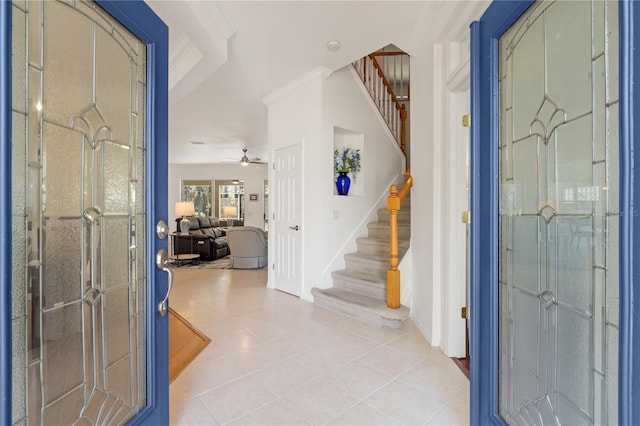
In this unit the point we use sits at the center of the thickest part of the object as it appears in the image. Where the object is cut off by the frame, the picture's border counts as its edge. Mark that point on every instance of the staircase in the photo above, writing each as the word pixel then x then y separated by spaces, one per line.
pixel 360 290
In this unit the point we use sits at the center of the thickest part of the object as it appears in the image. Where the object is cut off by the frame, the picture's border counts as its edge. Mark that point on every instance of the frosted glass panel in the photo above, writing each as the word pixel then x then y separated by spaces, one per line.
pixel 63 164
pixel 558 252
pixel 113 68
pixel 62 261
pixel 68 46
pixel 116 244
pixel 116 182
pixel 62 335
pixel 525 174
pixel 79 187
pixel 568 54
pixel 116 304
pixel 528 89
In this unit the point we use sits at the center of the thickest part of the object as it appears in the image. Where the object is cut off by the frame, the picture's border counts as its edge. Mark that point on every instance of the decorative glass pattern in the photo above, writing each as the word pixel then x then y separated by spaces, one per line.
pixel 79 102
pixel 558 224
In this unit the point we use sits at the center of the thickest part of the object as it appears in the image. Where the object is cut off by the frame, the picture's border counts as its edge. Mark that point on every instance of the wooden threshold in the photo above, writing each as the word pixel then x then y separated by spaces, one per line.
pixel 185 344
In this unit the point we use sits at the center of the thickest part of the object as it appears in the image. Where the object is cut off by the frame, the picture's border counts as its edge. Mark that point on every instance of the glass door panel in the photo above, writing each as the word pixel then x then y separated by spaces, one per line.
pixel 79 183
pixel 558 223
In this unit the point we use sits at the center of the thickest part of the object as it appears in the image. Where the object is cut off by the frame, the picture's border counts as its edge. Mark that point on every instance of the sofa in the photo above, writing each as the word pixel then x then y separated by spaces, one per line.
pixel 206 238
pixel 248 246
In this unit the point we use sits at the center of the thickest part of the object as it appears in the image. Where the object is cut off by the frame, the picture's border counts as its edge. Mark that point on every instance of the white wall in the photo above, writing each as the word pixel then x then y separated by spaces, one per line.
pixel 306 113
pixel 347 106
pixel 253 176
pixel 295 117
pixel 436 196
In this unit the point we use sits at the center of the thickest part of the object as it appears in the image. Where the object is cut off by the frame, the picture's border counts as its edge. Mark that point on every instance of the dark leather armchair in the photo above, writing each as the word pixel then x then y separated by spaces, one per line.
pixel 205 239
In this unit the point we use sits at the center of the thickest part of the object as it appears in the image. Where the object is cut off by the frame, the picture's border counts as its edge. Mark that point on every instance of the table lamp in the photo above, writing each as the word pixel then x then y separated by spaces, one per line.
pixel 184 209
pixel 230 212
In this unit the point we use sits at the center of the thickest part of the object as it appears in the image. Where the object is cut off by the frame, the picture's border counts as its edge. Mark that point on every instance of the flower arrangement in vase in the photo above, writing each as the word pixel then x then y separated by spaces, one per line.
pixel 345 161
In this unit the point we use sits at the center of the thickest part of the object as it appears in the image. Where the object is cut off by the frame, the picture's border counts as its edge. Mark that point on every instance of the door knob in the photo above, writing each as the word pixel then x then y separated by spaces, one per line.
pixel 162 229
pixel 295 228
pixel 162 263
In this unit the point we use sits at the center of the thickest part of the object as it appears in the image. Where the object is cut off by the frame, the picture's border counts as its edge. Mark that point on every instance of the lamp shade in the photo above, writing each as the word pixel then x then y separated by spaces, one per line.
pixel 185 208
pixel 230 211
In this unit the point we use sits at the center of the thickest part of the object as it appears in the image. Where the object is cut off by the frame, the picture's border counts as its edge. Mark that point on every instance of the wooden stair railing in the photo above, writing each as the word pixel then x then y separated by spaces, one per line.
pixel 395 115
pixel 393 112
pixel 394 202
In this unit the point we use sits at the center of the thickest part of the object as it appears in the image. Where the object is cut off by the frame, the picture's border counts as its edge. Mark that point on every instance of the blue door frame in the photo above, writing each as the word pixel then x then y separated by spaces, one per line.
pixel 146 25
pixel 485 33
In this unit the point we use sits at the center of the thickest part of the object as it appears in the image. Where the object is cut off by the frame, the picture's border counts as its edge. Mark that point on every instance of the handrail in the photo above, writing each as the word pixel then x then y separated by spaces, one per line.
pixel 402 109
pixel 394 202
pixel 377 84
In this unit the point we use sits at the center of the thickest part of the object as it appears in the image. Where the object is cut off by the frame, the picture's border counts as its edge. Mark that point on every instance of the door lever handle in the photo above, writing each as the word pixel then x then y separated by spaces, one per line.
pixel 295 228
pixel 162 263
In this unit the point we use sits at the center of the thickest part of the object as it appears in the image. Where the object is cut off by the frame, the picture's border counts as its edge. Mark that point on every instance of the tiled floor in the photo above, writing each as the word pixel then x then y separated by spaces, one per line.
pixel 277 360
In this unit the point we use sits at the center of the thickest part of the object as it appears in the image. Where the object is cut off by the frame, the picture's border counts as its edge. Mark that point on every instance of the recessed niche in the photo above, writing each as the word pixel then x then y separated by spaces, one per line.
pixel 345 138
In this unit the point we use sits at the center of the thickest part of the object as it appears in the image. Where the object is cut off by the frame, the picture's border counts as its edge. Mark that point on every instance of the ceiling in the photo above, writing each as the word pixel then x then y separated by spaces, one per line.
pixel 226 56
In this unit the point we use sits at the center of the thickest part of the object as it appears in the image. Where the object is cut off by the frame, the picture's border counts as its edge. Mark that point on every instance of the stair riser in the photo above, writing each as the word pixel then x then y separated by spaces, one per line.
pixel 365 266
pixel 383 233
pixel 354 312
pixel 380 249
pixel 363 289
pixel 373 250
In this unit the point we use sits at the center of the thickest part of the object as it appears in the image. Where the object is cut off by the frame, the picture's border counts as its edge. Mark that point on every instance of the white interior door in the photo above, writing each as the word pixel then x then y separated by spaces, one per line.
pixel 287 220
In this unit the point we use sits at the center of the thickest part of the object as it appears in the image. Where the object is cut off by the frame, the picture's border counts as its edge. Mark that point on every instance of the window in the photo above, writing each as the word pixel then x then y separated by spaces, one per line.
pixel 201 193
pixel 230 199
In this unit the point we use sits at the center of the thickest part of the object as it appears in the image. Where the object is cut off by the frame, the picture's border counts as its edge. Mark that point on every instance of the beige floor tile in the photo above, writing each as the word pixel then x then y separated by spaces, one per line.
pixel 236 399
pixel 436 381
pixel 405 404
pixel 354 345
pixel 276 359
pixel 379 335
pixel 413 344
pixel 363 415
pixel 190 412
pixel 389 361
pixel 323 359
pixel 358 379
pixel 275 413
pixel 319 402
pixel 284 377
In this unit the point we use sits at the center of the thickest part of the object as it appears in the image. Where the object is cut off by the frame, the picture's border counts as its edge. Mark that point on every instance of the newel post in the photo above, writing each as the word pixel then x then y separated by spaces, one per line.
pixel 393 274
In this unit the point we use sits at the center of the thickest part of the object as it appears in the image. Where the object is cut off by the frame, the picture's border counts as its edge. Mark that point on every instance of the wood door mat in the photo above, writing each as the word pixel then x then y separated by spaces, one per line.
pixel 185 344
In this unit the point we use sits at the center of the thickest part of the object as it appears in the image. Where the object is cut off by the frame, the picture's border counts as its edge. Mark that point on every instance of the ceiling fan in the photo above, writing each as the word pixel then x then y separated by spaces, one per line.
pixel 246 160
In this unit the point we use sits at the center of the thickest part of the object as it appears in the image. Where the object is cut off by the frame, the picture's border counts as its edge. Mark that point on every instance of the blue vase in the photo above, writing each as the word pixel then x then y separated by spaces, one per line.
pixel 342 183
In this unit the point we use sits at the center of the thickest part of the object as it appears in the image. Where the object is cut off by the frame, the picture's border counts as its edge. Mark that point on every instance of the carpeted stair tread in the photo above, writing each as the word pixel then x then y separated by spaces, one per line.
pixel 372 285
pixel 404 230
pixel 376 246
pixel 364 278
pixel 367 309
pixel 404 216
pixel 380 241
pixel 384 225
pixel 367 257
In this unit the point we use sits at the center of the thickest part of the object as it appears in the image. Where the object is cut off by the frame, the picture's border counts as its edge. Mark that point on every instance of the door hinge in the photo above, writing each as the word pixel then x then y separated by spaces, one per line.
pixel 465 312
pixel 273 266
pixel 466 216
pixel 466 120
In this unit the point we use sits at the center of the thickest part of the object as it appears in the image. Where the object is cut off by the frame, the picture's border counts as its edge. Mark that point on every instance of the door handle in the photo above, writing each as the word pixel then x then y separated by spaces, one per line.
pixel 162 263
pixel 295 228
